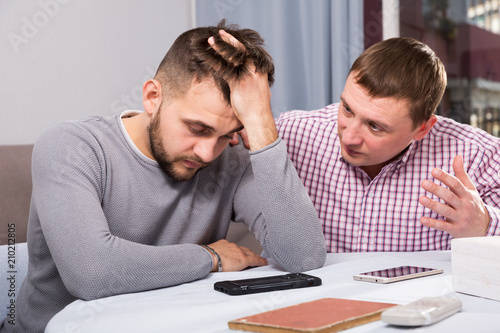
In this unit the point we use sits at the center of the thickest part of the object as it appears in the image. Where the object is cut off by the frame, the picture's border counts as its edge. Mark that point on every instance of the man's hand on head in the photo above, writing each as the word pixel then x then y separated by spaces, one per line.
pixel 464 211
pixel 250 94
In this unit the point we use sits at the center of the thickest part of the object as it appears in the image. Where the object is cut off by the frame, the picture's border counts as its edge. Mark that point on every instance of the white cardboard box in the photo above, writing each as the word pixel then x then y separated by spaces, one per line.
pixel 475 266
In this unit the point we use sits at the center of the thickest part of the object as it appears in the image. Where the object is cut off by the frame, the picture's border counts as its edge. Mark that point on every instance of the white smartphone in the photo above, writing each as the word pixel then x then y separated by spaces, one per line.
pixel 425 311
pixel 394 274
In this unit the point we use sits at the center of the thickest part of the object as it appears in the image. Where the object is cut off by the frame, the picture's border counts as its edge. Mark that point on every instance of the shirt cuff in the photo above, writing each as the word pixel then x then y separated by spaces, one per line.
pixel 494 228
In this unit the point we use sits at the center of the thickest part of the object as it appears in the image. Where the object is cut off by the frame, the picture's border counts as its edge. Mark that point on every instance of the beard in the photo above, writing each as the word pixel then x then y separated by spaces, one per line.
pixel 164 159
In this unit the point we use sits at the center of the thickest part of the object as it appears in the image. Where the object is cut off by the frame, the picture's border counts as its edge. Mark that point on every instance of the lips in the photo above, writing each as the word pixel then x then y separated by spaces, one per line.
pixel 191 164
pixel 351 152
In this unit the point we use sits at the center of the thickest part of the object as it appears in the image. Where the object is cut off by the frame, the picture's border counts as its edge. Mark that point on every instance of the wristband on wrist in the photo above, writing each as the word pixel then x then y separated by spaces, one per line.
pixel 219 261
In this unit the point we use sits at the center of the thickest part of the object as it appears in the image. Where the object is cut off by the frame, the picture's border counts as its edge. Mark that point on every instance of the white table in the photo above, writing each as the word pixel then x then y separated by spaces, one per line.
pixel 196 307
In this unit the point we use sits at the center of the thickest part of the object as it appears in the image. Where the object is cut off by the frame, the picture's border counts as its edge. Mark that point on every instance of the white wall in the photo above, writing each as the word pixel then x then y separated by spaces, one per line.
pixel 67 59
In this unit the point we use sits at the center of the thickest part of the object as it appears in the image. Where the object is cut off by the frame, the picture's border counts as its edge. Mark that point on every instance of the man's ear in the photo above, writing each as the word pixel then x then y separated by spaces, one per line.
pixel 151 96
pixel 425 128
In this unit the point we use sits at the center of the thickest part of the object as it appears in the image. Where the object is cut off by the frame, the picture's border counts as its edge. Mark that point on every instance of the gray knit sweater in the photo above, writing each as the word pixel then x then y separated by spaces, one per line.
pixel 106 220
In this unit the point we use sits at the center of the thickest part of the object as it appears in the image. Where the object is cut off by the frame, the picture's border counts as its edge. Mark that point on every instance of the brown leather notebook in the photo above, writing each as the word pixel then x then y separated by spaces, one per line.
pixel 319 316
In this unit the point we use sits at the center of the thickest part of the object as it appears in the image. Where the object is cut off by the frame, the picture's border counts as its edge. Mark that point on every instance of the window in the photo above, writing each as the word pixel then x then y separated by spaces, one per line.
pixel 465 34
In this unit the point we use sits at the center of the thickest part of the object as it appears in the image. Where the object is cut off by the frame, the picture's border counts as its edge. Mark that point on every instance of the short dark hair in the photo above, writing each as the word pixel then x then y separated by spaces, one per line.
pixel 403 68
pixel 192 59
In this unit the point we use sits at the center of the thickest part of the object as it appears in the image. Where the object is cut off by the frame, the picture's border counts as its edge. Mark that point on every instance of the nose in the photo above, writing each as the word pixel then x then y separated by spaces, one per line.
pixel 351 135
pixel 206 149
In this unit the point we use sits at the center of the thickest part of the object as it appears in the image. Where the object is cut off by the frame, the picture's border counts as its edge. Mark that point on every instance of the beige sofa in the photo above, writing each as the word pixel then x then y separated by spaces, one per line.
pixel 15 191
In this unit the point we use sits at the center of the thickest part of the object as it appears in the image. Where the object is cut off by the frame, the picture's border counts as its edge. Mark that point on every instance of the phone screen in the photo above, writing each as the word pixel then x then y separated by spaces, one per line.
pixel 394 274
pixel 398 271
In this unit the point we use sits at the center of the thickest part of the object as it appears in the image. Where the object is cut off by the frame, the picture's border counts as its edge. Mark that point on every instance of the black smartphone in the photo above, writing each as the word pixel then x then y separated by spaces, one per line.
pixel 268 283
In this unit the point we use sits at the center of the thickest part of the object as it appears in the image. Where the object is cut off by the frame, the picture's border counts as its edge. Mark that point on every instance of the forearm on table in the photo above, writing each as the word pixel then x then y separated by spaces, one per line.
pixel 119 266
pixel 294 236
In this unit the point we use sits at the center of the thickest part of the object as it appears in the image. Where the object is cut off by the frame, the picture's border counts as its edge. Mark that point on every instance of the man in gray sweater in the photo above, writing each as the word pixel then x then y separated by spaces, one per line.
pixel 144 200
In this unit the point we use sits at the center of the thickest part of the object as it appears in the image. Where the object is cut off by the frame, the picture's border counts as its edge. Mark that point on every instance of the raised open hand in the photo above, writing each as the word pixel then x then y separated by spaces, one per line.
pixel 464 211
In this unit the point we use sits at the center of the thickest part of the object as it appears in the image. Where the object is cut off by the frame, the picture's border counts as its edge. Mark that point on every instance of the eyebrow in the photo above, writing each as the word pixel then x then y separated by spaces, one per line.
pixel 369 121
pixel 343 101
pixel 208 127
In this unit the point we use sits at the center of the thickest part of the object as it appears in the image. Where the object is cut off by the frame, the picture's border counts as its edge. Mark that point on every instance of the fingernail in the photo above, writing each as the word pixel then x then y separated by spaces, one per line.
pixel 211 40
pixel 437 172
pixel 425 200
pixel 426 184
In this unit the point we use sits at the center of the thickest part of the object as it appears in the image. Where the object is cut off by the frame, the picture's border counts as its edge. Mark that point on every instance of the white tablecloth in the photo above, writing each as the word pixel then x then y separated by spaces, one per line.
pixel 197 307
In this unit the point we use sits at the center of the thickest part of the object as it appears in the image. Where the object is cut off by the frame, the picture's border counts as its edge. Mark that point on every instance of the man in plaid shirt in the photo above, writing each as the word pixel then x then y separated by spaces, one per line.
pixel 384 172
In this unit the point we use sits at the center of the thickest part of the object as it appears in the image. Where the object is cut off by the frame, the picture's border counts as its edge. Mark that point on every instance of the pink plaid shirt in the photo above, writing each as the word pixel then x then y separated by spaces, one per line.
pixel 360 214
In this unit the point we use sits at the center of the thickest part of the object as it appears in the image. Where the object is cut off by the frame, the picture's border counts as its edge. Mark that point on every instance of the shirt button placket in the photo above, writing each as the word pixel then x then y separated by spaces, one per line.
pixel 369 220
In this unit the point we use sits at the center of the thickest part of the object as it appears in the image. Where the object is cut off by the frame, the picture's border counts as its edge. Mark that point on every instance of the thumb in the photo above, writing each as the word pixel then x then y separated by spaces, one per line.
pixel 235 140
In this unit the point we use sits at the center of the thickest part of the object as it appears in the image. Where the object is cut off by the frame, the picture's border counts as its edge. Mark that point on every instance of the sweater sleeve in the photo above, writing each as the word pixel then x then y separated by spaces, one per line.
pixel 273 202
pixel 68 188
